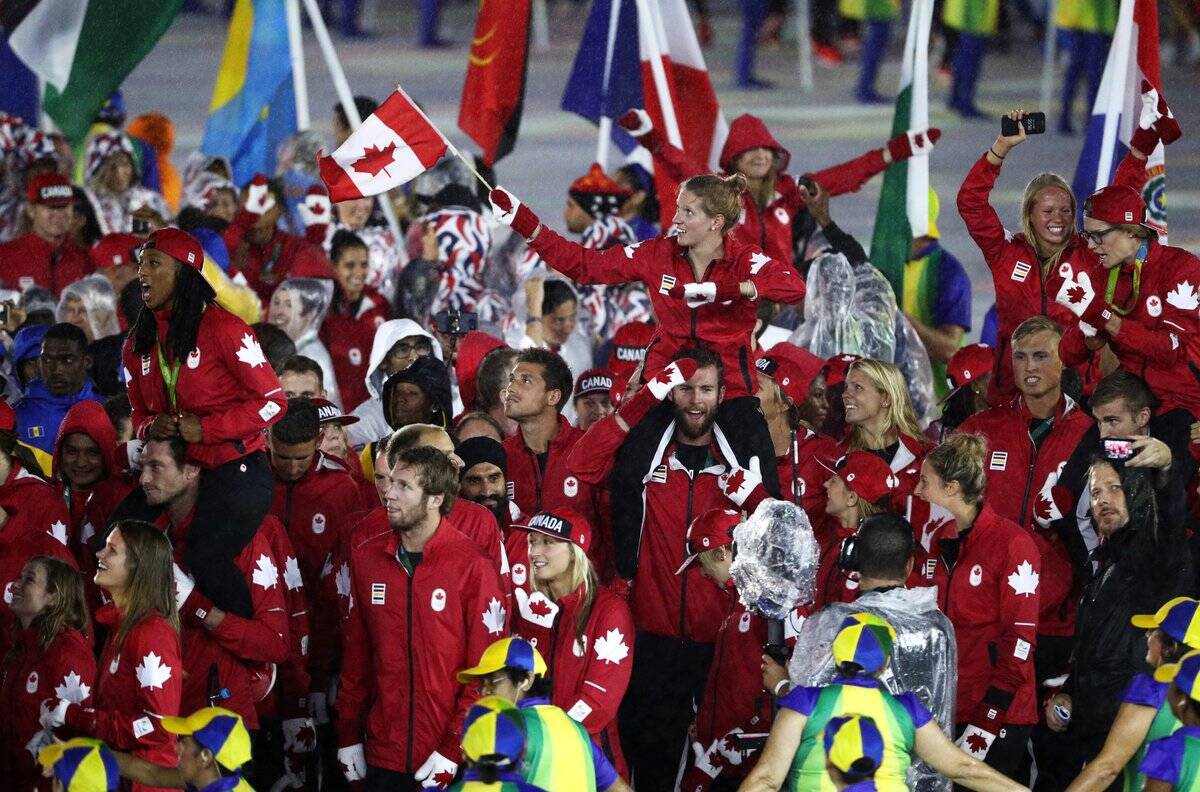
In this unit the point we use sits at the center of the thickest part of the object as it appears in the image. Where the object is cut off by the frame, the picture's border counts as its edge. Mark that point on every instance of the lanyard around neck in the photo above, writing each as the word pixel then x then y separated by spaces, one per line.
pixel 1115 274
pixel 170 375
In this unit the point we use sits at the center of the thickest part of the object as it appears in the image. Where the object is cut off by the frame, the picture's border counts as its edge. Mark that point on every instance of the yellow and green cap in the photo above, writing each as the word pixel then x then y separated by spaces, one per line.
pixel 493 727
pixel 854 745
pixel 82 765
pixel 218 730
pixel 1185 674
pixel 506 653
pixel 1178 618
pixel 865 640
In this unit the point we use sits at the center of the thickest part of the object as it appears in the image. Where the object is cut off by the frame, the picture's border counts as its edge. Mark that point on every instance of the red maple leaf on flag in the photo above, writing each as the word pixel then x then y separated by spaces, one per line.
pixel 735 481
pixel 977 743
pixel 1042 508
pixel 1075 294
pixel 444 779
pixel 539 608
pixel 375 159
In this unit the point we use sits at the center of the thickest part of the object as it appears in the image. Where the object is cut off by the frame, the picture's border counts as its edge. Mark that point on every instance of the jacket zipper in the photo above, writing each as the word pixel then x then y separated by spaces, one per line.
pixel 408 754
pixel 537 475
pixel 1029 482
pixel 287 505
pixel 683 581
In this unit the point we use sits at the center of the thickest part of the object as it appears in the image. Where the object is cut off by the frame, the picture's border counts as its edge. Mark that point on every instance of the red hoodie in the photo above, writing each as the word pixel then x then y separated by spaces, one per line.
pixel 348 334
pixel 472 349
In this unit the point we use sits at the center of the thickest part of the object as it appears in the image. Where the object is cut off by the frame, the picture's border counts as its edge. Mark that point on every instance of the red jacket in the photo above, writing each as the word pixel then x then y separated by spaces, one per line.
pixel 65 669
pixel 770 229
pixel 238 646
pixel 138 683
pixel 1020 480
pixel 30 260
pixel 734 699
pixel 726 328
pixel 990 593
pixel 1021 290
pixel 406 636
pixel 226 381
pixel 803 473
pixel 1160 338
pixel 283 256
pixel 36 525
pixel 348 334
pixel 289 699
pixel 589 677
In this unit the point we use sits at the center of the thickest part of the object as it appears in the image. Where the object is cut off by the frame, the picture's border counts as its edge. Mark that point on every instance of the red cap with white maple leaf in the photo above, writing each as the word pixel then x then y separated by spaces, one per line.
pixel 565 524
pixel 867 475
pixel 710 530
pixel 1118 205
pixel 967 365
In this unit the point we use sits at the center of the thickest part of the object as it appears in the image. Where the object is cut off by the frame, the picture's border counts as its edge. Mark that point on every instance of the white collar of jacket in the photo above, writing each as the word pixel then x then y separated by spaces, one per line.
pixel 668 438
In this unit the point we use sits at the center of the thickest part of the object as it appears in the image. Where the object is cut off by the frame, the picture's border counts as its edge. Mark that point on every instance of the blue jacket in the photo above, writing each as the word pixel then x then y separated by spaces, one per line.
pixel 40 413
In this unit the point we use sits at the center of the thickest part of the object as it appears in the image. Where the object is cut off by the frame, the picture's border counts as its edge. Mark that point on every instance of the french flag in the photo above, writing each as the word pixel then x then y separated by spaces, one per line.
pixel 644 54
pixel 1133 57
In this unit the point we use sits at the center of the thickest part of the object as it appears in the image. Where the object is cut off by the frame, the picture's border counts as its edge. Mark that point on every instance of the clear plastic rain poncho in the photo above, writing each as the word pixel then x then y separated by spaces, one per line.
pixel 853 310
pixel 924 658
pixel 94 298
pixel 298 307
pixel 777 557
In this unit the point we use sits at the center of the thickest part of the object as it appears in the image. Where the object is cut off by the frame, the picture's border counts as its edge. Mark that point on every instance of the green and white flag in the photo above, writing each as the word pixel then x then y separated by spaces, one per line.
pixel 84 49
pixel 904 200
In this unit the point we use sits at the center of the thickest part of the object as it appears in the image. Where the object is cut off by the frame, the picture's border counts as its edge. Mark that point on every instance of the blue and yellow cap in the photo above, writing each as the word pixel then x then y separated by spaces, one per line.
pixel 493 727
pixel 506 653
pixel 854 745
pixel 82 765
pixel 218 730
pixel 865 640
pixel 1185 674
pixel 1178 618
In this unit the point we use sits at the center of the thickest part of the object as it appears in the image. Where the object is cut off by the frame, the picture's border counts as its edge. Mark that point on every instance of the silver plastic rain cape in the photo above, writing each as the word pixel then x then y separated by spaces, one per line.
pixel 777 556
pixel 852 309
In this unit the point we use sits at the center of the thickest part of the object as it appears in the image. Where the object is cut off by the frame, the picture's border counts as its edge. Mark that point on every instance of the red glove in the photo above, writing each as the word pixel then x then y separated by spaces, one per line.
pixel 638 124
pixel 1167 125
pixel 513 213
pixel 655 390
pixel 904 146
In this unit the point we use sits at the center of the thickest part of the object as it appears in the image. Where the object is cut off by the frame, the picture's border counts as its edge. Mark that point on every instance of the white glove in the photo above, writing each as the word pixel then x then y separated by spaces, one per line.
pixel 315 210
pixel 259 199
pixel 697 294
pixel 184 584
pixel 1087 329
pixel 737 483
pixel 299 735
pixel 645 124
pixel 354 762
pixel 1076 293
pixel 53 716
pixel 976 742
pixel 665 381
pixel 318 707
pixel 436 765
pixel 919 142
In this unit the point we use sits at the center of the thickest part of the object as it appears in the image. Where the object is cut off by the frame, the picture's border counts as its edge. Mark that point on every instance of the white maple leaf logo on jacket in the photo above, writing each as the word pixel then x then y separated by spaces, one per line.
pixel 291 574
pixel 72 689
pixel 611 647
pixel 1183 297
pixel 495 617
pixel 1024 580
pixel 152 672
pixel 250 352
pixel 266 574
pixel 58 531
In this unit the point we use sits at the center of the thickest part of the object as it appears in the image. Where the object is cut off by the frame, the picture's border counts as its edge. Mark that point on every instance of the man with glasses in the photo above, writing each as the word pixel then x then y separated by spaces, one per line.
pixel 559 754
pixel 397 344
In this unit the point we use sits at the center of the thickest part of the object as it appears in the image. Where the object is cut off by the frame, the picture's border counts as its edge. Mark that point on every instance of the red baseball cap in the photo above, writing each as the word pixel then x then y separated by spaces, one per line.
pixel 330 413
pixel 50 189
pixel 595 380
pixel 179 245
pixel 867 475
pixel 793 370
pixel 1118 205
pixel 710 530
pixel 565 524
pixel 837 366
pixel 968 364
pixel 629 348
pixel 114 250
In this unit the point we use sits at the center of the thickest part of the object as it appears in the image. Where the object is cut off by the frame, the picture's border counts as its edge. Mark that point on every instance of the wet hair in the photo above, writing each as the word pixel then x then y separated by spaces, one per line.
pixel 1034 325
pixel 478 416
pixel 436 473
pixel 70 610
pixel 639 176
pixel 555 372
pixel 118 409
pixel 192 295
pixel 704 357
pixel 960 459
pixel 540 688
pixel 151 576
pixel 91 232
pixel 299 364
pixel 885 545
pixel 492 376
pixel 64 331
pixel 192 217
pixel 276 345
pixel 887 379
pixel 300 424
pixel 1122 384
pixel 130 302
pixel 342 241
pixel 555 294
pixel 1049 258
pixel 719 195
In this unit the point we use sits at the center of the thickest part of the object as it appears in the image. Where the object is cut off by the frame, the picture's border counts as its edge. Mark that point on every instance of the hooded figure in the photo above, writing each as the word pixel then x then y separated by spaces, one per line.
pixel 298 307
pixel 91 305
pixel 27 348
pixel 372 425
pixel 118 194
pixel 472 349
pixel 429 374
pixel 91 478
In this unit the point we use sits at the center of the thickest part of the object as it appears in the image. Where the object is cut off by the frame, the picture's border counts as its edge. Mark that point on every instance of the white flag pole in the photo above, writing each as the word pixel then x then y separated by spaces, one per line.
pixel 1118 58
pixel 650 36
pixel 1050 55
pixel 804 42
pixel 345 97
pixel 541 26
pixel 917 188
pixel 299 78
pixel 605 131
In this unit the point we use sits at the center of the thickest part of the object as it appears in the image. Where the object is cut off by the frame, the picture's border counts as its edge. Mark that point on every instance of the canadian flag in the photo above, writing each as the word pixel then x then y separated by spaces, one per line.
pixel 395 144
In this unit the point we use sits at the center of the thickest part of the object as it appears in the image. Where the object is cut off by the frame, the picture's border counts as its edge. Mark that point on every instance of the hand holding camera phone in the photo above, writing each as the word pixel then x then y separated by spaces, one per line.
pixel 1118 449
pixel 1034 123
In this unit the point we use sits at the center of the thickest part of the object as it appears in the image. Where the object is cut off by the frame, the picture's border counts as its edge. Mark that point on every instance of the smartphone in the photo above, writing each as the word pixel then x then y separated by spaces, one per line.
pixel 807 183
pixel 453 322
pixel 1034 123
pixel 1118 448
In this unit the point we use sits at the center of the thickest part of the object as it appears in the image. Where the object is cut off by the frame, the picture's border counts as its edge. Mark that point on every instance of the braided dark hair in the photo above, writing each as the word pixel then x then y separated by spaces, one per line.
pixel 192 295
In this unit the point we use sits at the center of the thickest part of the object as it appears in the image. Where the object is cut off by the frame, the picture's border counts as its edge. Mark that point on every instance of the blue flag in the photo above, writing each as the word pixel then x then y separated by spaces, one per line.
pixel 253 106
pixel 606 80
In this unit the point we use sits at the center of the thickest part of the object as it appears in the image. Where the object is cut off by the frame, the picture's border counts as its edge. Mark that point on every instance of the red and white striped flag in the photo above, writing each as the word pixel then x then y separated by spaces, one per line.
pixel 395 144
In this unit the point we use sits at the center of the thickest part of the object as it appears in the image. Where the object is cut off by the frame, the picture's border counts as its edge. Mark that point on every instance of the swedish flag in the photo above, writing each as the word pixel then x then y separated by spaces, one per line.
pixel 253 105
